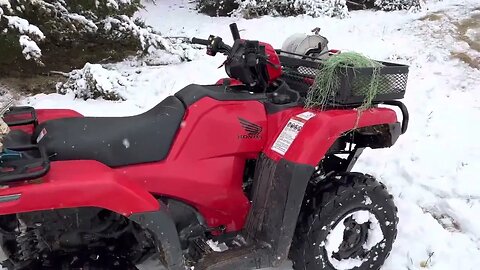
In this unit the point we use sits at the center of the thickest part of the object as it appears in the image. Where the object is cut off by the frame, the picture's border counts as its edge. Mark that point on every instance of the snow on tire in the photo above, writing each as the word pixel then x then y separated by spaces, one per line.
pixel 353 226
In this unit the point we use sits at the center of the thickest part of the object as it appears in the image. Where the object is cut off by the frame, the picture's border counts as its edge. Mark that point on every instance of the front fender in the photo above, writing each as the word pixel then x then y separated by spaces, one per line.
pixel 320 130
pixel 74 184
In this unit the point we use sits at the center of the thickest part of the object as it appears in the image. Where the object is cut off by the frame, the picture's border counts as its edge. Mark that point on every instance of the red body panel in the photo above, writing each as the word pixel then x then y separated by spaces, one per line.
pixel 274 67
pixel 231 82
pixel 205 165
pixel 80 184
pixel 321 131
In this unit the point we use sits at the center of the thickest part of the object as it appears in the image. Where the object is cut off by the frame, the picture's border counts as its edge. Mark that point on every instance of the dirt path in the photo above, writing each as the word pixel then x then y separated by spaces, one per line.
pixel 465 29
pixel 469 32
pixel 27 86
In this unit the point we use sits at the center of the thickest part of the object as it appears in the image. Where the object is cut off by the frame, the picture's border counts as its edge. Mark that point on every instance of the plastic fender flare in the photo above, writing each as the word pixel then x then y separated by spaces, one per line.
pixel 162 226
pixel 321 130
pixel 75 184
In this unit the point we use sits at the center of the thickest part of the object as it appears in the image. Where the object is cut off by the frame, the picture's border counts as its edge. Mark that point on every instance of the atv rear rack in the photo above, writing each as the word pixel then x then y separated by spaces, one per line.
pixel 299 72
pixel 22 162
pixel 15 116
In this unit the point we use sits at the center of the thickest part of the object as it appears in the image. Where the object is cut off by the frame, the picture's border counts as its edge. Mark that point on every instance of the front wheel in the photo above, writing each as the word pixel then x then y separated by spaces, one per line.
pixel 352 225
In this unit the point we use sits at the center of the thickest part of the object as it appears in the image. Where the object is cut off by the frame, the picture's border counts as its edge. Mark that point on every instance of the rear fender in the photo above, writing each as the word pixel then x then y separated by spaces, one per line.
pixel 318 130
pixel 284 170
pixel 73 184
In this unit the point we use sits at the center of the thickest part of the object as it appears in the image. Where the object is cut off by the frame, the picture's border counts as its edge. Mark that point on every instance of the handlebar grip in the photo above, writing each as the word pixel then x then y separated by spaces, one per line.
pixel 235 32
pixel 200 41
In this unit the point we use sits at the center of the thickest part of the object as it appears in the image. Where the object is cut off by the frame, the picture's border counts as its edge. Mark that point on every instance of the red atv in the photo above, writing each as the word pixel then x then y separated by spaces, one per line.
pixel 236 175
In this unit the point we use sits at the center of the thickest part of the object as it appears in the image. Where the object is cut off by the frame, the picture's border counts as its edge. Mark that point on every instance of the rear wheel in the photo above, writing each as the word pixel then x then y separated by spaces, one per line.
pixel 76 238
pixel 351 224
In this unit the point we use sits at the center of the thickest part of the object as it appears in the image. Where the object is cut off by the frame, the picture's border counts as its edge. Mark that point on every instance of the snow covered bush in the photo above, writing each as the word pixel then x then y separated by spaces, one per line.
pixel 51 31
pixel 93 81
pixel 254 8
pixel 217 7
pixel 390 5
pixel 314 8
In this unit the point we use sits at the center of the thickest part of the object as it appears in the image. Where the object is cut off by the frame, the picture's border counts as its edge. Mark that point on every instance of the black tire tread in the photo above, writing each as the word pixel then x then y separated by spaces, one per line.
pixel 326 200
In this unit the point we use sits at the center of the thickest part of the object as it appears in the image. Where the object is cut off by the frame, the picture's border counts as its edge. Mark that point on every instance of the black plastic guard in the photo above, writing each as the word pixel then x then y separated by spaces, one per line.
pixel 162 226
pixel 278 193
pixel 384 136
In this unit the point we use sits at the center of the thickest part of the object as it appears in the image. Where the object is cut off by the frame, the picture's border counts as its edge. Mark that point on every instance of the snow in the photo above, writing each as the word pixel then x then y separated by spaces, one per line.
pixel 23 26
pixel 432 170
pixel 6 4
pixel 335 238
pixel 27 31
pixel 126 143
pixel 367 201
pixel 93 81
pixel 318 8
pixel 83 21
pixel 217 246
pixel 30 48
pixel 313 8
pixel 115 3
pixel 375 234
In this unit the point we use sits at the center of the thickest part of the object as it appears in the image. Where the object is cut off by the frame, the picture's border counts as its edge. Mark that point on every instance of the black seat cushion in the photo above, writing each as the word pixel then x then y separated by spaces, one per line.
pixel 17 138
pixel 115 141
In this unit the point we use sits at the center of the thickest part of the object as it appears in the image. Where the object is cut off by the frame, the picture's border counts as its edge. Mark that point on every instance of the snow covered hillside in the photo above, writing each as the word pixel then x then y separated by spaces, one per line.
pixel 433 169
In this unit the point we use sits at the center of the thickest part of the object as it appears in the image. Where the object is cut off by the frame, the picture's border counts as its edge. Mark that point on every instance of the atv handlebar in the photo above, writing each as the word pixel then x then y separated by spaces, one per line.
pixel 235 32
pixel 200 41
pixel 215 44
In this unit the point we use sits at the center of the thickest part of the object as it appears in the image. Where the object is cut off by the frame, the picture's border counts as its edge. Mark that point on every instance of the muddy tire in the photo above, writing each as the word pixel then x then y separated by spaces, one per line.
pixel 352 225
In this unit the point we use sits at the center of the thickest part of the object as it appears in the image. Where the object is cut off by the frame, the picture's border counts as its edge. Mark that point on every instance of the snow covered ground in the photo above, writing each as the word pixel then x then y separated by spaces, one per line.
pixel 433 169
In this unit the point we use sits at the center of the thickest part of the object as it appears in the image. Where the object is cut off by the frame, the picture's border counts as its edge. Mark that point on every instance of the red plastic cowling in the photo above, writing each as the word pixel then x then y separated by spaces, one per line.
pixel 229 82
pixel 319 132
pixel 274 67
pixel 80 183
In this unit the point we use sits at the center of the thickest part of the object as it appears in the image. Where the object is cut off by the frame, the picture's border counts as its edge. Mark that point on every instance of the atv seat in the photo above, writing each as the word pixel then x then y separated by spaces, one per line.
pixel 114 141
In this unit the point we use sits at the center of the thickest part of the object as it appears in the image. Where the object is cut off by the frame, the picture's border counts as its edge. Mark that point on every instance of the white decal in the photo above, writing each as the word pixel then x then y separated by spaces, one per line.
pixel 287 136
pixel 306 115
pixel 41 135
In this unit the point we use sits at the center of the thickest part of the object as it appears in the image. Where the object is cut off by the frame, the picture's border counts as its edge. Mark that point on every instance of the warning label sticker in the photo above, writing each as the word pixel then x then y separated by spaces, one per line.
pixel 287 136
pixel 41 135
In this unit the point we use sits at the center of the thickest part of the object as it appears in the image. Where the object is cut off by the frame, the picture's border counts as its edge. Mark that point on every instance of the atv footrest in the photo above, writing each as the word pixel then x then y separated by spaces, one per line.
pixel 254 256
pixel 23 163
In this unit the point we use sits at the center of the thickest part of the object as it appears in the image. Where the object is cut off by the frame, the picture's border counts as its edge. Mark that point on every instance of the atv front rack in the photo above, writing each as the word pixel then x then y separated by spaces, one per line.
pixel 23 163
